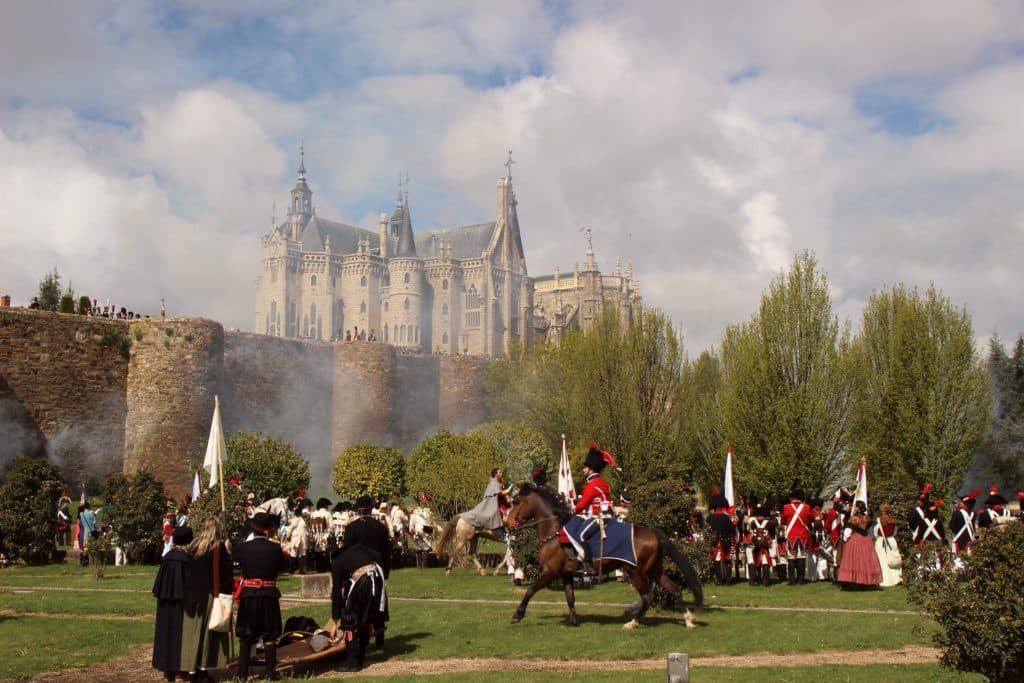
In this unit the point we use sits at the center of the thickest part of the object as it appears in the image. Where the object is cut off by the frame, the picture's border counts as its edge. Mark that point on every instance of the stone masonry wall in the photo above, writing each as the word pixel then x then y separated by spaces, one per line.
pixel 414 401
pixel 176 368
pixel 72 387
pixel 462 403
pixel 361 411
pixel 282 388
pixel 65 380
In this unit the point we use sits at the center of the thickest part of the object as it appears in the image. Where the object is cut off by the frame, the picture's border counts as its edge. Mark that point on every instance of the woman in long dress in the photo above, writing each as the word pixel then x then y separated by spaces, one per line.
pixel 885 547
pixel 169 590
pixel 202 649
pixel 860 567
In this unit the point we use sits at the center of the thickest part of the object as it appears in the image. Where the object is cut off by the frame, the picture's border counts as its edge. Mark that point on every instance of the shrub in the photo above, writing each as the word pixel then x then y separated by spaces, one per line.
pixel 525 546
pixel 453 468
pixel 523 448
pixel 135 506
pixel 118 340
pixel 208 505
pixel 666 504
pixel 84 304
pixel 269 467
pixel 977 607
pixel 378 470
pixel 67 303
pixel 28 508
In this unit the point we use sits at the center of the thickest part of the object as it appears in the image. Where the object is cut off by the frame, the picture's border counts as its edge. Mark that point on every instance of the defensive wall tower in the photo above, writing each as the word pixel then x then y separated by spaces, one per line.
pixel 176 368
pixel 462 405
pixel 362 405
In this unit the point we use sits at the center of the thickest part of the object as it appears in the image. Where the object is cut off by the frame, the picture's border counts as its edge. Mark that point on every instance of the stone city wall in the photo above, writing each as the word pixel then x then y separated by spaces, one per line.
pixel 101 396
pixel 63 378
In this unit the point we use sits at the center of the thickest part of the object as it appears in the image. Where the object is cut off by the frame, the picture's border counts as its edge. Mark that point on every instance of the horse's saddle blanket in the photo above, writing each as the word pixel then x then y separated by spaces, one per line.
pixel 617 543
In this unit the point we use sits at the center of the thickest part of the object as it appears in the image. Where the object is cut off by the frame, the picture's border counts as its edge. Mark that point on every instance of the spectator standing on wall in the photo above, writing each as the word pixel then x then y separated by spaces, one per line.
pixel 348 336
pixel 373 335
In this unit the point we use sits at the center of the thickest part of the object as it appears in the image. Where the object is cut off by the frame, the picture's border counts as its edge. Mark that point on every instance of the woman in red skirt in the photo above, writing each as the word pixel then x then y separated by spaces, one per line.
pixel 860 563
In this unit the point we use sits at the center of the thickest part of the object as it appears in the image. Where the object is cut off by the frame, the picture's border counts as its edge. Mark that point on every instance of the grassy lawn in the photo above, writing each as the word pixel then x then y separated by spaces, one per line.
pixel 441 630
pixel 33 644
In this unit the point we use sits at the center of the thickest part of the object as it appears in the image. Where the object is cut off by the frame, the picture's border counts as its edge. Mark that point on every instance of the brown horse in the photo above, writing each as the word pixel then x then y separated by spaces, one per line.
pixel 537 507
pixel 457 533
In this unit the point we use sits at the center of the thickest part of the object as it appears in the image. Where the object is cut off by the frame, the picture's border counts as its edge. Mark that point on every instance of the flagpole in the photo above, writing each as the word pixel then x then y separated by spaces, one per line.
pixel 220 457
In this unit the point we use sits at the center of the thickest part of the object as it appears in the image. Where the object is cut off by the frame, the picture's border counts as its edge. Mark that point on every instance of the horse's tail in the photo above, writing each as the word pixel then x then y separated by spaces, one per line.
pixel 692 578
pixel 441 548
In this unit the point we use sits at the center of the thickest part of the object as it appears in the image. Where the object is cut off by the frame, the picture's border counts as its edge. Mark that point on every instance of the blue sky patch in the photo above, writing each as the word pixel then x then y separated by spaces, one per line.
pixel 898 110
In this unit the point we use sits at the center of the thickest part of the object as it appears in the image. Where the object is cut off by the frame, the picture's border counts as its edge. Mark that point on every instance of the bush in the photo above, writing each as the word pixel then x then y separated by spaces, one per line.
pixel 28 509
pixel 84 305
pixel 979 606
pixel 453 468
pixel 135 507
pixel 377 470
pixel 666 504
pixel 269 467
pixel 525 546
pixel 523 448
pixel 208 505
pixel 67 303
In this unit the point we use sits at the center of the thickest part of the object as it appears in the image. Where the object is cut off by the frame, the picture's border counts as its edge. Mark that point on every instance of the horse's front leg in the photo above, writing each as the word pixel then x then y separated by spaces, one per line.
pixel 473 555
pixel 570 599
pixel 642 584
pixel 542 581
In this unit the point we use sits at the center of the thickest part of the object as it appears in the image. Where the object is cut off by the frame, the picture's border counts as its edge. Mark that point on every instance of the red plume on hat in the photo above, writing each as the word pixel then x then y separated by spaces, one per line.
pixel 592 446
pixel 927 490
pixel 1020 495
pixel 609 459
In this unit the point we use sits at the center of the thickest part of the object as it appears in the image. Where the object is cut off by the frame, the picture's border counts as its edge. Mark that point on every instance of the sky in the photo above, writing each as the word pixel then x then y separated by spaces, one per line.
pixel 143 145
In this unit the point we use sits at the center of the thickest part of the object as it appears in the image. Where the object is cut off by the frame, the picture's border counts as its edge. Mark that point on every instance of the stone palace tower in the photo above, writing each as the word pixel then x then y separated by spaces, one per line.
pixel 452 290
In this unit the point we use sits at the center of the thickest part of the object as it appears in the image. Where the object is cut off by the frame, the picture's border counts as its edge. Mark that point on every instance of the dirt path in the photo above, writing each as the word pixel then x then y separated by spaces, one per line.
pixel 136 666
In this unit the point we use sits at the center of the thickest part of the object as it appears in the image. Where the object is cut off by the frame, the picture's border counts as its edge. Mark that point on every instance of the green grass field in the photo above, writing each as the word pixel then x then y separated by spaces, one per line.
pixel 435 617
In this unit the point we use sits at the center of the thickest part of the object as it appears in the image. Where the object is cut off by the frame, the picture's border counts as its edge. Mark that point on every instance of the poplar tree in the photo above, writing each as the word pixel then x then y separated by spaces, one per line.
pixel 923 404
pixel 787 388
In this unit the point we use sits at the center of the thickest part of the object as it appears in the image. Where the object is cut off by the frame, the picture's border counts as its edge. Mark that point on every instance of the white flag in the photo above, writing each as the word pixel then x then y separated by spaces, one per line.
pixel 195 487
pixel 727 488
pixel 214 459
pixel 566 487
pixel 862 484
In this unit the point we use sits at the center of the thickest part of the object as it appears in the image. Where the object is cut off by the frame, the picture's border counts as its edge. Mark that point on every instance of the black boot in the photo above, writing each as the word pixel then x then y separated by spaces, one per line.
pixel 244 651
pixel 270 656
pixel 801 572
pixel 586 564
pixel 302 565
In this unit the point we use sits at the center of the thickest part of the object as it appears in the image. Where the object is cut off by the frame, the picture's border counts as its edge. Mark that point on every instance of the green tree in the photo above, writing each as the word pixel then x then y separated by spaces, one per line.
pixel 787 387
pixel 615 386
pixel 923 403
pixel 701 421
pixel 134 506
pixel 365 468
pixel 233 518
pixel 28 509
pixel 523 446
pixel 666 504
pixel 453 468
pixel 84 305
pixel 1001 456
pixel 49 291
pixel 269 467
pixel 978 608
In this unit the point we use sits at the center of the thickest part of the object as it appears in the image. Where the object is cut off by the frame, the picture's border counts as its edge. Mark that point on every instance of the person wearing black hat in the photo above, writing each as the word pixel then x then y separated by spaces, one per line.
pixel 594 501
pixel 796 520
pixel 259 603
pixel 540 476
pixel 358 600
pixel 762 528
pixel 996 510
pixel 961 524
pixel 723 537
pixel 169 590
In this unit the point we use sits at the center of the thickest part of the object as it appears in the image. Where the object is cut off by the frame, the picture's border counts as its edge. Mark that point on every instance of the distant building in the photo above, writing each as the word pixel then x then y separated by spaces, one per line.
pixel 453 290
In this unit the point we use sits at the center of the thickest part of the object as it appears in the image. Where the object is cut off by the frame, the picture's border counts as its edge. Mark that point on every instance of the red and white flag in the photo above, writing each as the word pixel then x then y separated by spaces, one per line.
pixel 566 486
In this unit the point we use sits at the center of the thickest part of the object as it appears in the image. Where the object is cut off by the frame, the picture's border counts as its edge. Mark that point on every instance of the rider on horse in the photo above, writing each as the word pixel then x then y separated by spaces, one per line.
pixel 594 502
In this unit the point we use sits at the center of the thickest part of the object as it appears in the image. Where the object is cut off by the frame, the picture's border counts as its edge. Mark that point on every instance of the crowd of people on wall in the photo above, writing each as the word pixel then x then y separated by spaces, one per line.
pixel 799 540
pixel 93 308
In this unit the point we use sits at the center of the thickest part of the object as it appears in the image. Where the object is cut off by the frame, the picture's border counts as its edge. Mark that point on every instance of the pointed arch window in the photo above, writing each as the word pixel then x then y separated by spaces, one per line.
pixel 362 281
pixel 312 281
pixel 444 284
pixel 406 278
pixel 444 338
pixel 362 307
pixel 406 304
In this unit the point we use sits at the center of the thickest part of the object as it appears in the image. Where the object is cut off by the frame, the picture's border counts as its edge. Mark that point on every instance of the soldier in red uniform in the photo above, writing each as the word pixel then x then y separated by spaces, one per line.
pixel 594 502
pixel 796 519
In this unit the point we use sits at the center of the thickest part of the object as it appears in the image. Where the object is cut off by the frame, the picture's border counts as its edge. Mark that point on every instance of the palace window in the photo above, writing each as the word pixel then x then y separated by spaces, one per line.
pixel 362 307
pixel 406 305
pixel 312 281
pixel 362 281
pixel 444 309
pixel 444 338
pixel 385 306
pixel 406 278
pixel 444 285
pixel 472 299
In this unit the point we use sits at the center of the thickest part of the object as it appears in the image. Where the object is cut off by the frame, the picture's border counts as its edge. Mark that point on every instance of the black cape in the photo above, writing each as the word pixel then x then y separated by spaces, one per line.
pixel 169 591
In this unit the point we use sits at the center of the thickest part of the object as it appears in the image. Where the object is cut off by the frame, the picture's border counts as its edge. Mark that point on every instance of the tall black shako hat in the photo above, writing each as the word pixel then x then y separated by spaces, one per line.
pixel 540 475
pixel 364 504
pixel 182 535
pixel 263 522
pixel 597 459
pixel 717 501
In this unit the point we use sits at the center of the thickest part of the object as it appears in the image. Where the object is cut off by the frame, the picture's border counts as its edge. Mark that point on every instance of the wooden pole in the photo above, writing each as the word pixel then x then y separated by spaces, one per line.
pixel 220 454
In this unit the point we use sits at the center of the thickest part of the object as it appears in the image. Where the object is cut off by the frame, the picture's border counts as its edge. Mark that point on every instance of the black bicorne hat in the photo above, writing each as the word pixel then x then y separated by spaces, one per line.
pixel 364 503
pixel 717 502
pixel 182 535
pixel 262 521
pixel 323 504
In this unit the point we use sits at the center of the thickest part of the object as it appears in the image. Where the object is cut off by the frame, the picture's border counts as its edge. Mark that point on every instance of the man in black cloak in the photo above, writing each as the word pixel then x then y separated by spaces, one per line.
pixel 169 591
